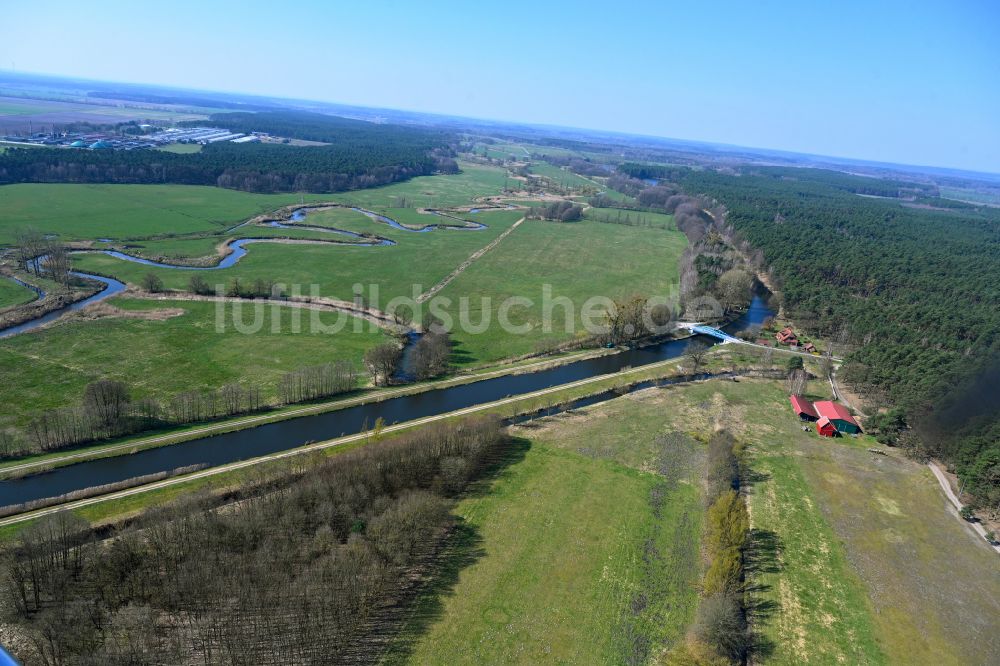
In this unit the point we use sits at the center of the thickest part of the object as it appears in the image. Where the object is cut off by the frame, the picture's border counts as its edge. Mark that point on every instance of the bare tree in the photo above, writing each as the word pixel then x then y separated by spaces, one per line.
pixel 152 282
pixel 826 365
pixel 381 361
pixel 798 381
pixel 431 355
pixel 695 354
pixel 57 263
pixel 198 285
pixel 30 246
pixel 106 400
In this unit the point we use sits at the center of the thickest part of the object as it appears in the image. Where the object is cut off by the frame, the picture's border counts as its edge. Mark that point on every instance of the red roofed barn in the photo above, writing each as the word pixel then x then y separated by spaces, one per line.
pixel 803 408
pixel 838 415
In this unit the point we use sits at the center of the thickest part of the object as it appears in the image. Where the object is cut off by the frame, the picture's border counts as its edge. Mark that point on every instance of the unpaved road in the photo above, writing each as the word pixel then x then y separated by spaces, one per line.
pixel 468 262
pixel 950 494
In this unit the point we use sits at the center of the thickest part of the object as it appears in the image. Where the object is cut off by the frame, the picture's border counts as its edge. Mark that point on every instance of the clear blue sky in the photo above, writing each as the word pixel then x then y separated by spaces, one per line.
pixel 910 81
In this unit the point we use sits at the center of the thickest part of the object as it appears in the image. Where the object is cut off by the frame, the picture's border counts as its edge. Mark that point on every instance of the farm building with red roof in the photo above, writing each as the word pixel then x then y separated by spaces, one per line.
pixel 825 427
pixel 837 415
pixel 803 408
pixel 786 336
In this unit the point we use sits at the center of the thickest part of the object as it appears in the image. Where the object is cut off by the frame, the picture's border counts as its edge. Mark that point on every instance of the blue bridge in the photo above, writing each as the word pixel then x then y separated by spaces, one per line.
pixel 715 333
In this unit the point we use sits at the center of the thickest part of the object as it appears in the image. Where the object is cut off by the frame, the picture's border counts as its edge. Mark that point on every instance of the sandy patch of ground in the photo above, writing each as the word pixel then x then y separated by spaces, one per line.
pixel 104 310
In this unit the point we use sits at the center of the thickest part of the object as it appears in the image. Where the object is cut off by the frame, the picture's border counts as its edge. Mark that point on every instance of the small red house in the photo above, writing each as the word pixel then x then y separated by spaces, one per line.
pixel 803 408
pixel 810 347
pixel 786 336
pixel 826 428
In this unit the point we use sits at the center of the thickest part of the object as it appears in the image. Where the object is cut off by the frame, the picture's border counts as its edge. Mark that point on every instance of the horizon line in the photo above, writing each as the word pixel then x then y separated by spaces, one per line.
pixel 865 161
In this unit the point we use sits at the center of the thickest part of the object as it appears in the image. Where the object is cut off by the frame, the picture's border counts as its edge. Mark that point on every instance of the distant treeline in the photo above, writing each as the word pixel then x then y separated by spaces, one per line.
pixel 362 155
pixel 881 187
pixel 329 129
pixel 302 567
pixel 152 98
pixel 652 171
pixel 582 166
pixel 915 293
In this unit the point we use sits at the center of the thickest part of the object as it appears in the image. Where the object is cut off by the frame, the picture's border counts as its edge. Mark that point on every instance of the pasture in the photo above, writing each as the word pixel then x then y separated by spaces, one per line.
pixel 631 218
pixel 460 189
pixel 162 348
pixel 561 177
pixel 578 261
pixel 420 259
pixel 858 558
pixel 620 261
pixel 85 212
pixel 12 294
pixel 563 558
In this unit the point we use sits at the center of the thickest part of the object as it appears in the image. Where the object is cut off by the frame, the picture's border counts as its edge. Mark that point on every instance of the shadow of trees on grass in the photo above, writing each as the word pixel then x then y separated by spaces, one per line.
pixel 399 628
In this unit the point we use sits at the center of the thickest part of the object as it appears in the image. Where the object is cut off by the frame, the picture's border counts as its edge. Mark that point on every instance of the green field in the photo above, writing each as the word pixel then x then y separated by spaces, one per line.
pixel 160 358
pixel 991 197
pixel 631 217
pixel 208 245
pixel 83 212
pixel 9 107
pixel 562 177
pixel 435 191
pixel 342 218
pixel 419 259
pixel 181 148
pixel 577 260
pixel 867 565
pixel 621 261
pixel 565 559
pixel 11 293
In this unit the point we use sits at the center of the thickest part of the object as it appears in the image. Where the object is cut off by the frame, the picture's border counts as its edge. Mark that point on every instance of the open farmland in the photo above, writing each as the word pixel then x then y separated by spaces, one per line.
pixel 418 259
pixel 576 260
pixel 12 293
pixel 16 113
pixel 561 177
pixel 86 212
pixel 566 557
pixel 162 348
pixel 857 555
pixel 461 189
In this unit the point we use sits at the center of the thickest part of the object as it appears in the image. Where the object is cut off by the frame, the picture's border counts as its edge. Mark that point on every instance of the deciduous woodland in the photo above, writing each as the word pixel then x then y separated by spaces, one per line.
pixel 299 568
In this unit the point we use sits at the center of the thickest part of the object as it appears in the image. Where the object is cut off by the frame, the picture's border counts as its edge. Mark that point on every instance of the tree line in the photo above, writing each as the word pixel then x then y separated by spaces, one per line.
pixel 912 292
pixel 360 155
pixel 721 634
pixel 304 566
pixel 108 409
pixel 560 211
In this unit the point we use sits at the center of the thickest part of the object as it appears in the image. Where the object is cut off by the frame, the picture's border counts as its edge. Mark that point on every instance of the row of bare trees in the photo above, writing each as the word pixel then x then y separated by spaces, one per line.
pixel 31 246
pixel 317 381
pixel 107 409
pixel 308 566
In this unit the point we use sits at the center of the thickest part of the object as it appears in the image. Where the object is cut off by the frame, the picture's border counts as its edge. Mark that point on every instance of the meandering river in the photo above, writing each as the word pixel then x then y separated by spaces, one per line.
pixel 238 251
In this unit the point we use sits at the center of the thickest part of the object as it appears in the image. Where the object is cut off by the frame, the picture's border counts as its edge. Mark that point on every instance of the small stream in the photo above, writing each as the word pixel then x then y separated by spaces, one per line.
pixel 111 287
